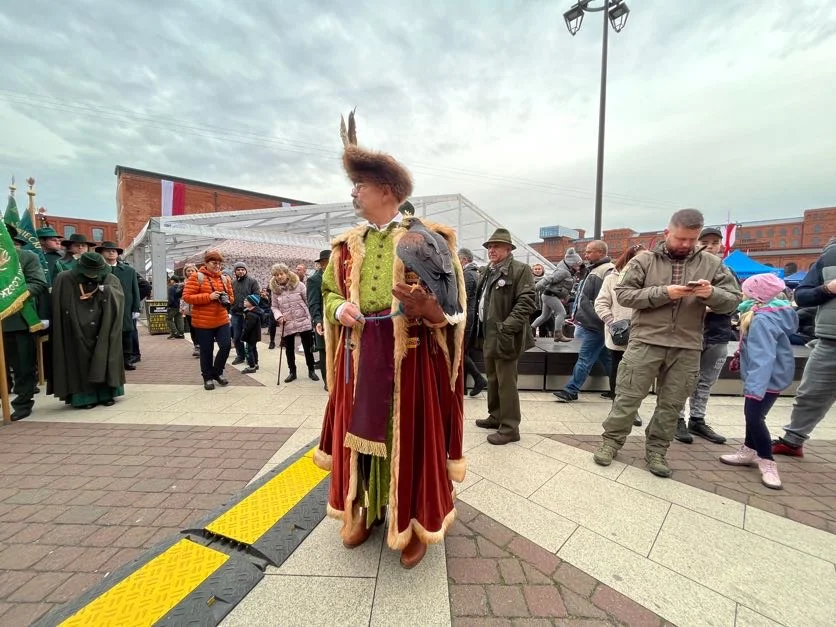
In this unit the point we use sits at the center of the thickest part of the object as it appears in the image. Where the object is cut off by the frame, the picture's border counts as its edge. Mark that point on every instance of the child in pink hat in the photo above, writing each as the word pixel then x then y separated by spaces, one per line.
pixel 767 366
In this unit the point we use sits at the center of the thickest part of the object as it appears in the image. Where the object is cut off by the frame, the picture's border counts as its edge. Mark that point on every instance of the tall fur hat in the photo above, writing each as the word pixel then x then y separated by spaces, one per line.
pixel 368 166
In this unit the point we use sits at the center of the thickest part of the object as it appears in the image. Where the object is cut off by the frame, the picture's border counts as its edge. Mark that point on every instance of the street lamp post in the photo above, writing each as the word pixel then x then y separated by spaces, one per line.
pixel 615 13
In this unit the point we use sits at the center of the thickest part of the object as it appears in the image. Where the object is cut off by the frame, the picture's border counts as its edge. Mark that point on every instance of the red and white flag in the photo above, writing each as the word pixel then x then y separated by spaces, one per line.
pixel 728 240
pixel 173 198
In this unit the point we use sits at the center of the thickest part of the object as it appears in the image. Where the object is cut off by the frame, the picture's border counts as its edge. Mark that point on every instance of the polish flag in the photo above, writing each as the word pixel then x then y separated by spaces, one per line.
pixel 173 198
pixel 728 240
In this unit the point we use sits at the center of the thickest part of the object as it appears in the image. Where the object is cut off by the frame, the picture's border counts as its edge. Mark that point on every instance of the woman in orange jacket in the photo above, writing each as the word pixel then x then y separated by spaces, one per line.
pixel 210 294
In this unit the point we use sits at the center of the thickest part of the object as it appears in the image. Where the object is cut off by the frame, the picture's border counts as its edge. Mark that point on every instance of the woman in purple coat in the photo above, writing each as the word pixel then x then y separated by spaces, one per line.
pixel 289 304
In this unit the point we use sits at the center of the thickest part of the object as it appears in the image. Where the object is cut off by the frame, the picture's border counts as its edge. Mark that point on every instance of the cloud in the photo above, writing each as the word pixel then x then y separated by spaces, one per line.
pixel 724 106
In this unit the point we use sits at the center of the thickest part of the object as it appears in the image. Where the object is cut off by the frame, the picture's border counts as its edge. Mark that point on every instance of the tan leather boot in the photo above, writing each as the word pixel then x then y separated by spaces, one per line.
pixel 413 553
pixel 359 533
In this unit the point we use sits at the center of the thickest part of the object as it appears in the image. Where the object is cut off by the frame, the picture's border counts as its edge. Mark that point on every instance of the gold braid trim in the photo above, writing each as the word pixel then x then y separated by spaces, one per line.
pixel 362 445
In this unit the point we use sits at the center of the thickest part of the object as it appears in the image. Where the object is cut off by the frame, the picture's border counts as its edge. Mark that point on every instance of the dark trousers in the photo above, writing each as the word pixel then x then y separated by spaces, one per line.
pixel 290 350
pixel 237 322
pixel 757 433
pixel 471 369
pixel 128 345
pixel 271 328
pixel 252 354
pixel 206 339
pixel 192 334
pixel 135 342
pixel 503 396
pixel 20 357
pixel 616 359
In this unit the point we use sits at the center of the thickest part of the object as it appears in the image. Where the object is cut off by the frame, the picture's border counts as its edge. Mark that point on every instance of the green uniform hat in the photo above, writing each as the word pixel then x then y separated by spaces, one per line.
pixel 13 232
pixel 92 265
pixel 45 232
pixel 77 238
pixel 111 245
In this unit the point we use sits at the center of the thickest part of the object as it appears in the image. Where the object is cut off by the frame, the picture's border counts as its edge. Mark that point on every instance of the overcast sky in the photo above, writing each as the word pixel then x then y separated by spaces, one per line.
pixel 724 106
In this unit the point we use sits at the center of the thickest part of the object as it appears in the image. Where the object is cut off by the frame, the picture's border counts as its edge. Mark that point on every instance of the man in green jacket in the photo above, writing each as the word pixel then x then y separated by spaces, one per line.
pixel 504 302
pixel 668 290
pixel 51 245
pixel 75 246
pixel 130 286
pixel 18 340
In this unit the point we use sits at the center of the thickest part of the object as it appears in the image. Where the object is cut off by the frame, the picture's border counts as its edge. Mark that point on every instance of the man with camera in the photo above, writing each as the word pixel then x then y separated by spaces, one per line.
pixel 210 294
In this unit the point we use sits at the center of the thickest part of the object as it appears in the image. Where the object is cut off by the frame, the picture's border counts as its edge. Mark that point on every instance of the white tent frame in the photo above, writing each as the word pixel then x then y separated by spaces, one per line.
pixel 166 240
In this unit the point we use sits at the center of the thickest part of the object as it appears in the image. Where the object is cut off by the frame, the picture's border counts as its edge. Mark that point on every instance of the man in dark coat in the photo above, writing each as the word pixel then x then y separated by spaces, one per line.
pixel 314 287
pixel 18 340
pixel 88 364
pixel 505 300
pixel 130 288
pixel 471 284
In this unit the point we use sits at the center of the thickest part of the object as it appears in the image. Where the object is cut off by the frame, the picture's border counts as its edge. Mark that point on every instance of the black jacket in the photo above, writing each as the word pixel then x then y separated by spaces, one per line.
pixel 471 283
pixel 174 294
pixel 585 301
pixel 252 326
pixel 242 288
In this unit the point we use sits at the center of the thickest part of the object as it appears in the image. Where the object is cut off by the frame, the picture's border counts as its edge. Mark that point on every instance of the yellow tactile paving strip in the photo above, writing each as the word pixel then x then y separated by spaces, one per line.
pixel 248 520
pixel 147 595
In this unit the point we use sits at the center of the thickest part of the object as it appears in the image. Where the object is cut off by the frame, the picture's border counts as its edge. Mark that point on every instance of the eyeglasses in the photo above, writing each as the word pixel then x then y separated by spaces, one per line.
pixel 359 186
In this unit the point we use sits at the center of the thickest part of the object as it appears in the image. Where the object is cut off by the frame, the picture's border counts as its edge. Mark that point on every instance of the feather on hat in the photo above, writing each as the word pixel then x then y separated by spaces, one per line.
pixel 366 166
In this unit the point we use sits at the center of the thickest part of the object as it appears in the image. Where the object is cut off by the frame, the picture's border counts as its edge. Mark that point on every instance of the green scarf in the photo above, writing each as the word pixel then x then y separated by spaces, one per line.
pixel 750 303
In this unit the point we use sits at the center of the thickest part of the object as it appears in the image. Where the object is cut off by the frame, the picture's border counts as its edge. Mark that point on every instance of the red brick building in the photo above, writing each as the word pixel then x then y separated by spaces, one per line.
pixel 97 230
pixel 139 198
pixel 779 243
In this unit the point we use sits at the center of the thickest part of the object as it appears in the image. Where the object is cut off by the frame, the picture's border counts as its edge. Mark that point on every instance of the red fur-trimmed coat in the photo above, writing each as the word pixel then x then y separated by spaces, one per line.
pixel 428 406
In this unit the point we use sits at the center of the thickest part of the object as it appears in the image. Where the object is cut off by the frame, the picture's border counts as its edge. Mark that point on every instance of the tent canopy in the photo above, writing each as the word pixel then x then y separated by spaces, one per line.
pixel 168 240
pixel 744 266
pixel 795 278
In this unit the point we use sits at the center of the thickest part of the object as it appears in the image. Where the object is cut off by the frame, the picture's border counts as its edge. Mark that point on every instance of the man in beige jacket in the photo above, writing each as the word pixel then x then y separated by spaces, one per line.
pixel 668 290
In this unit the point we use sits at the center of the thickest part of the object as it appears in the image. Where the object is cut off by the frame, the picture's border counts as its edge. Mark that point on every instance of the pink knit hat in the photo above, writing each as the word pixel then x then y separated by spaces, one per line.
pixel 763 287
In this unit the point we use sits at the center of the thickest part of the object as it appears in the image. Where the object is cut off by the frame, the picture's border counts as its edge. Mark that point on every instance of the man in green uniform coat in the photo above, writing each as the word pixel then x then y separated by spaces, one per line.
pixel 75 246
pixel 18 340
pixel 130 287
pixel 314 287
pixel 87 303
pixel 51 245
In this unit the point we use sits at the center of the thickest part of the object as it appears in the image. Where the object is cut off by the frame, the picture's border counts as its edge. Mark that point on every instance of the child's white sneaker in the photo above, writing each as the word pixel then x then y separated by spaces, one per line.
pixel 744 456
pixel 769 474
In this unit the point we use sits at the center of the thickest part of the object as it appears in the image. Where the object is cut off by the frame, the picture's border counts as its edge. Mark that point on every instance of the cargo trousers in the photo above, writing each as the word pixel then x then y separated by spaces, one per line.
pixel 675 371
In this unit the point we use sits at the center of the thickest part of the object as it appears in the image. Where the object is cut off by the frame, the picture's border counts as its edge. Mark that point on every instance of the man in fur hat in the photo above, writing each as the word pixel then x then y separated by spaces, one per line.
pixel 392 432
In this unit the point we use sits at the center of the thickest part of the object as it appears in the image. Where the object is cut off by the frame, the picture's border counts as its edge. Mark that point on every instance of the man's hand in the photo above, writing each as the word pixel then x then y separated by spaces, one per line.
pixel 350 315
pixel 214 296
pixel 280 320
pixel 830 286
pixel 704 289
pixel 135 315
pixel 319 329
pixel 418 303
pixel 675 292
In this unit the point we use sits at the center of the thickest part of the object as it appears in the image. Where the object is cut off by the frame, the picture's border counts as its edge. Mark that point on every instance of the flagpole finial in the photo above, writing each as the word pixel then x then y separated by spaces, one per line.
pixel 12 187
pixel 31 193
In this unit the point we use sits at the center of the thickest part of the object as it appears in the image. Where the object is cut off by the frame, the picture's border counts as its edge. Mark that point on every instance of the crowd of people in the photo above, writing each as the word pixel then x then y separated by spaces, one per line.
pixel 396 366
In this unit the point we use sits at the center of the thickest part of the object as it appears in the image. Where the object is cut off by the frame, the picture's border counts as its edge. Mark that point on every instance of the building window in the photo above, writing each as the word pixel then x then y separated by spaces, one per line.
pixel 759 234
pixel 98 235
pixel 770 233
pixel 817 228
pixel 795 243
pixel 69 229
pixel 796 230
pixel 782 243
pixel 782 232
pixel 816 242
